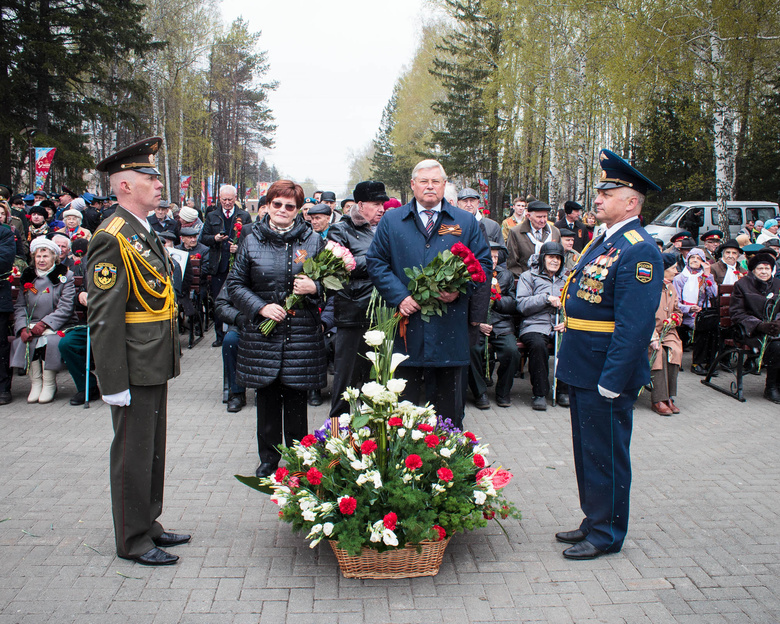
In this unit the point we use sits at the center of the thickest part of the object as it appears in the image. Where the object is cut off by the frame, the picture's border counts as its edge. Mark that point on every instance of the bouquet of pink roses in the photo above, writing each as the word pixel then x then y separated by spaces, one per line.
pixel 331 266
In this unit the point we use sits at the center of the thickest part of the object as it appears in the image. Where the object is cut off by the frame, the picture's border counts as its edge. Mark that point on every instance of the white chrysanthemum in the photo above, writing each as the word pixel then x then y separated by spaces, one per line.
pixel 374 337
pixel 479 497
pixel 396 385
pixel 371 389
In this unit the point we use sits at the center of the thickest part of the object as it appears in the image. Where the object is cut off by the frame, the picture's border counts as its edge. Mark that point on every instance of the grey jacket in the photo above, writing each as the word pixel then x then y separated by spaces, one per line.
pixel 533 289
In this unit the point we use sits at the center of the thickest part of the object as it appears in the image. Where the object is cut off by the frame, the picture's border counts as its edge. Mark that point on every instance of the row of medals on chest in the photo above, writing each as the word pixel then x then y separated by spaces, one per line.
pixel 143 251
pixel 591 284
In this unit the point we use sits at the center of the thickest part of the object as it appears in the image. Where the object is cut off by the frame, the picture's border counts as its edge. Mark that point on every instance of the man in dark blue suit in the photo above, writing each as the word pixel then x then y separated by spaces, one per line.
pixel 413 235
pixel 609 304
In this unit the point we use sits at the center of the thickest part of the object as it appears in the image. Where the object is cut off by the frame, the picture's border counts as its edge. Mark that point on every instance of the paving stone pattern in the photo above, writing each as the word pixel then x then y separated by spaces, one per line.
pixel 703 545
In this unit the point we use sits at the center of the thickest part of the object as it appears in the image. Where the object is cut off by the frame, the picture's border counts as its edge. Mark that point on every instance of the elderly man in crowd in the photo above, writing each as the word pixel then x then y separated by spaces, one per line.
pixel 220 235
pixel 63 242
pixel 319 217
pixel 162 222
pixel 413 235
pixel 468 200
pixel 526 239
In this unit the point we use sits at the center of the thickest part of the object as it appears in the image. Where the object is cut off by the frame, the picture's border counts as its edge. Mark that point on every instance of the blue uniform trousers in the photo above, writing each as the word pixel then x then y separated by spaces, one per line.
pixel 601 436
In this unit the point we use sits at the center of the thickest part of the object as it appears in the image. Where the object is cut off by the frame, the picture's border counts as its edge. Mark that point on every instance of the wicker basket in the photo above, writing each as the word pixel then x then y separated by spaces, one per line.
pixel 392 564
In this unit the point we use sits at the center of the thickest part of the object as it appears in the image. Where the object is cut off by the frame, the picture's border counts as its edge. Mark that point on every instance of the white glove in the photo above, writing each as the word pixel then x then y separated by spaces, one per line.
pixel 120 398
pixel 607 394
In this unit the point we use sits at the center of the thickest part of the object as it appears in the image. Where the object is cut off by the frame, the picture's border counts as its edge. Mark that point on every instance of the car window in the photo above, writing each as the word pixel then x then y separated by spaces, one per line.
pixel 765 213
pixel 670 215
pixel 735 216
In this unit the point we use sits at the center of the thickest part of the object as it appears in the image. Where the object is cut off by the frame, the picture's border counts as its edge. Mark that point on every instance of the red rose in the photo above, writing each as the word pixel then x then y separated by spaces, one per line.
pixel 308 440
pixel 314 476
pixel 445 474
pixel 442 533
pixel 390 521
pixel 368 447
pixel 395 422
pixel 479 461
pixel 413 462
pixel 280 474
pixel 460 250
pixel 432 440
pixel 347 505
pixel 425 427
pixel 470 436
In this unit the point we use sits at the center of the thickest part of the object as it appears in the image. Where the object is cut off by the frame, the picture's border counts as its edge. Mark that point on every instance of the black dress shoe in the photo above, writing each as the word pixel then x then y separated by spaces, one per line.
pixel 217 343
pixel 80 397
pixel 482 402
pixel 171 539
pixel 563 400
pixel 235 403
pixel 583 550
pixel 314 398
pixel 5 398
pixel 266 469
pixel 503 401
pixel 154 557
pixel 698 369
pixel 539 404
pixel 570 537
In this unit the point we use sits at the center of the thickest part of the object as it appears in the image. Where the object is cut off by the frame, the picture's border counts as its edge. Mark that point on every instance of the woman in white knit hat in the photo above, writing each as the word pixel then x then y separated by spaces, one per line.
pixel 73 229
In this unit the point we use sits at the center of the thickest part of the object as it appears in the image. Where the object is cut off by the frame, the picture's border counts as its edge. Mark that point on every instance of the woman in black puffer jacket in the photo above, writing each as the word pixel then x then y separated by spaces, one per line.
pixel 291 359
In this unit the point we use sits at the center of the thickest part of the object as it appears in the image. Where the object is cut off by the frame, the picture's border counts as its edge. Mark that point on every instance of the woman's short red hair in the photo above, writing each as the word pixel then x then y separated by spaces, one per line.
pixel 285 188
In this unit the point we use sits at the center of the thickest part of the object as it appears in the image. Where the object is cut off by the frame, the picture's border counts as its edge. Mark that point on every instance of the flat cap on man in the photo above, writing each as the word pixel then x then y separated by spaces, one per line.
pixel 616 172
pixel 566 233
pixel 327 196
pixel 536 206
pixel 188 231
pixel 136 157
pixel 570 206
pixel 369 191
pixel 320 209
pixel 468 193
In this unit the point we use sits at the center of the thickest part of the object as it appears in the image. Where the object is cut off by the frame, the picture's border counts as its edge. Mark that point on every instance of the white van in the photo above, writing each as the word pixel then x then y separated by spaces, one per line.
pixel 666 224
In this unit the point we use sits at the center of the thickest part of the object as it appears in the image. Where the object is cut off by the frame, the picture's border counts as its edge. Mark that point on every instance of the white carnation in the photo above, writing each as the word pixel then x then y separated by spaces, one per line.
pixel 417 434
pixel 479 497
pixel 445 452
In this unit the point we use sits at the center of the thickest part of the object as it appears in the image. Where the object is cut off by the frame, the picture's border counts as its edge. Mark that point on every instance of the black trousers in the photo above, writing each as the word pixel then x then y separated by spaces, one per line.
pixel 217 281
pixel 537 345
pixel 5 353
pixel 279 408
pixel 442 386
pixel 138 468
pixel 351 366
pixel 505 348
pixel 705 346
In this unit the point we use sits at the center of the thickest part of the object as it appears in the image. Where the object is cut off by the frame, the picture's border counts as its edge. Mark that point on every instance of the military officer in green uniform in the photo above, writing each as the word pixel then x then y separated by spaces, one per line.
pixel 132 320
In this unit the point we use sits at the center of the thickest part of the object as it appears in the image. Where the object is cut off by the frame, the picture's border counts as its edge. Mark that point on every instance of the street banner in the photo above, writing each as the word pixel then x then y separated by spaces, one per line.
pixel 248 191
pixel 43 158
pixel 484 186
pixel 262 188
pixel 185 184
pixel 203 193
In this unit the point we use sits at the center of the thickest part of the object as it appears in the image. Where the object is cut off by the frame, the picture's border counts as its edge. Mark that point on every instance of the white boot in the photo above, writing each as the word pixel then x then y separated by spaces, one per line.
pixel 49 386
pixel 37 382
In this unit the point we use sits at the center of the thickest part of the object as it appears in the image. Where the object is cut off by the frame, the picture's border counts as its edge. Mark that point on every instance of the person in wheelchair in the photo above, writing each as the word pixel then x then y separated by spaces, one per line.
pixel 754 307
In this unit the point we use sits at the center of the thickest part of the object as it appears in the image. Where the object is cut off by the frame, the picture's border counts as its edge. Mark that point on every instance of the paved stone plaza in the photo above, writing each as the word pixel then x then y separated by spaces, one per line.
pixel 703 545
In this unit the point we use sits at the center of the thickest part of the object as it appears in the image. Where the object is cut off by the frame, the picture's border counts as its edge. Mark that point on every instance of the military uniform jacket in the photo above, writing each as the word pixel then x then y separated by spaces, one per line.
pixel 610 303
pixel 132 308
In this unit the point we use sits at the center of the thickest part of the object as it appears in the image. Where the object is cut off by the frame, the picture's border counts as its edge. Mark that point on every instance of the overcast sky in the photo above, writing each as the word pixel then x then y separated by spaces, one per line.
pixel 336 63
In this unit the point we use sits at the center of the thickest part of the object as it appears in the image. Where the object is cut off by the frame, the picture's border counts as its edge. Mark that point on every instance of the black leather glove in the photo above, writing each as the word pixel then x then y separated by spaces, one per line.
pixel 770 328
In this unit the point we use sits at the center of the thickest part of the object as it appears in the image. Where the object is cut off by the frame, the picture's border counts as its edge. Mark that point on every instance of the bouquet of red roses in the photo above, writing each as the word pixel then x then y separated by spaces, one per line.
pixel 450 271
pixel 331 266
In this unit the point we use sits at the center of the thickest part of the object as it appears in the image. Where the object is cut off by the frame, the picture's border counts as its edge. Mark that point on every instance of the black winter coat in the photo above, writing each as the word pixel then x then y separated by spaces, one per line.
pixel 7 254
pixel 503 311
pixel 263 273
pixel 748 305
pixel 351 303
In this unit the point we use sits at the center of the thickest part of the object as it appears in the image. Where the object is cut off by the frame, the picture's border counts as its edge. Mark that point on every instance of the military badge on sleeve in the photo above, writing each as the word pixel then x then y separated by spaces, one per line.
pixel 644 272
pixel 105 275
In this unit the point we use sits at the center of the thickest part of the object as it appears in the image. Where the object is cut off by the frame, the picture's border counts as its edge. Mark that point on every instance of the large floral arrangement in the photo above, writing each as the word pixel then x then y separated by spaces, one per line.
pixel 332 266
pixel 389 473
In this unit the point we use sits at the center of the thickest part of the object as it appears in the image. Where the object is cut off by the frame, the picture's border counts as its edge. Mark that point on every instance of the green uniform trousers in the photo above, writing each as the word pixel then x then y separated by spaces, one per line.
pixel 138 468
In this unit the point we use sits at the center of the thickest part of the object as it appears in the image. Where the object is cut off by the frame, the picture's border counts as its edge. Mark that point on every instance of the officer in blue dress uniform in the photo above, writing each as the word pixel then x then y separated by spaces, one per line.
pixel 609 304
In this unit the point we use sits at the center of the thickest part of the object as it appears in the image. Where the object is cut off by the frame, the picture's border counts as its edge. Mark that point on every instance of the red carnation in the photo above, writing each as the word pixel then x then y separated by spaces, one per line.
pixel 196 256
pixel 470 436
pixel 314 476
pixel 368 447
pixel 308 440
pixel 60 333
pixel 395 422
pixel 445 474
pixel 425 427
pixel 413 462
pixel 390 521
pixel 479 461
pixel 28 286
pixel 77 261
pixel 280 474
pixel 432 440
pixel 489 514
pixel 347 505
pixel 442 533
